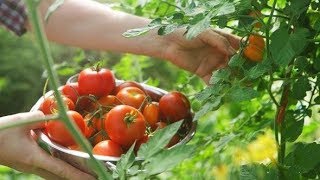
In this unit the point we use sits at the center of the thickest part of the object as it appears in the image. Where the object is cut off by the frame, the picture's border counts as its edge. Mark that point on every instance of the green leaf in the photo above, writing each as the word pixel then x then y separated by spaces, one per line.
pixel 220 76
pixel 236 61
pixel 199 27
pixel 304 157
pixel 296 7
pixel 300 88
pixel 211 105
pixel 167 29
pixel 238 94
pixel 53 7
pixel 293 126
pixel 301 63
pixel 125 162
pixel 158 141
pixel 224 141
pixel 257 171
pixel 259 69
pixel 284 47
pixel 143 30
pixel 169 158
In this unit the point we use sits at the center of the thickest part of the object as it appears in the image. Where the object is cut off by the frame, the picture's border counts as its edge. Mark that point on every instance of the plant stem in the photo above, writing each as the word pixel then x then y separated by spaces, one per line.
pixel 48 61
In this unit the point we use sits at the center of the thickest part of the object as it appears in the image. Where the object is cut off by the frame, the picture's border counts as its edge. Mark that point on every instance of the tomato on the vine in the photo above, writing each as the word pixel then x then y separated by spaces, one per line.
pixel 254 50
pixel 132 96
pixel 58 132
pixel 174 106
pixel 125 124
pixel 50 105
pixel 107 148
pixel 256 14
pixel 96 81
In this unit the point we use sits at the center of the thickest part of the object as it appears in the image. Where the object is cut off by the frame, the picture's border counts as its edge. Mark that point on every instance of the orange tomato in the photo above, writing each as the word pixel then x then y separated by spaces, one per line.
pixel 254 50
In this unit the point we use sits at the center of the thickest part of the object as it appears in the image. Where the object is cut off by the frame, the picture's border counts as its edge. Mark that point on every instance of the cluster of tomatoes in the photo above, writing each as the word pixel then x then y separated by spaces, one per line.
pixel 113 116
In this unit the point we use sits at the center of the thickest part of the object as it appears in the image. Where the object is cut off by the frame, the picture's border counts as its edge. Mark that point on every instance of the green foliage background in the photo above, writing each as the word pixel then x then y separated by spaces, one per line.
pixel 246 110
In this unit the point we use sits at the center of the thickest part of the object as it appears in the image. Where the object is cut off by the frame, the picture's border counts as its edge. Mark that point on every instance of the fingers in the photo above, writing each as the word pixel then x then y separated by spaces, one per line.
pixel 233 39
pixel 23 118
pixel 217 41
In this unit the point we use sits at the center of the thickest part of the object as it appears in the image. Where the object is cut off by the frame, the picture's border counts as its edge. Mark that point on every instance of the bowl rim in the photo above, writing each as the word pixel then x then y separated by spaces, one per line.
pixel 44 138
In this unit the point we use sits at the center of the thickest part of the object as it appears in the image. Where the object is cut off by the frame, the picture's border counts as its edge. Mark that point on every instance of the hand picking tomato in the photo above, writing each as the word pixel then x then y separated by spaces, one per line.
pixel 107 148
pixel 125 124
pixel 58 132
pixel 131 96
pixel 151 114
pixel 174 106
pixel 71 91
pixel 98 82
pixel 255 48
pixel 50 105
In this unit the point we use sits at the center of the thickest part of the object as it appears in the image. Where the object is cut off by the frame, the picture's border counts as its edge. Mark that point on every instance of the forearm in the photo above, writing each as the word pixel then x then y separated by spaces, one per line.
pixel 91 25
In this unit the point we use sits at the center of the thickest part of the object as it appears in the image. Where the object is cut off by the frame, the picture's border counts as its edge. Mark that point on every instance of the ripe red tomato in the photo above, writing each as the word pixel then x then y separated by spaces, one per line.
pixel 97 82
pixel 71 91
pixel 174 106
pixel 98 137
pixel 127 84
pixel 131 96
pixel 50 105
pixel 125 124
pixel 108 101
pixel 151 114
pixel 107 148
pixel 57 131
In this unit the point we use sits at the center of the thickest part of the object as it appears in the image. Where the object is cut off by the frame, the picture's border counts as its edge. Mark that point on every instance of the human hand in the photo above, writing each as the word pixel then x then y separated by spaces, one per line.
pixel 202 55
pixel 20 151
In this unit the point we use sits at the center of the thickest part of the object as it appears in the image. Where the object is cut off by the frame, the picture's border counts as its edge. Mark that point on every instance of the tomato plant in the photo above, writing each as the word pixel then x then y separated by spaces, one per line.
pixel 96 81
pixel 125 124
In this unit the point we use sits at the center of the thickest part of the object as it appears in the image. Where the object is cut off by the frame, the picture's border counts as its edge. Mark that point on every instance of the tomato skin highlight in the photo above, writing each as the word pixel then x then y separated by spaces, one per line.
pixel 107 148
pixel 118 127
pixel 57 131
pixel 174 106
pixel 96 82
pixel 254 50
pixel 131 96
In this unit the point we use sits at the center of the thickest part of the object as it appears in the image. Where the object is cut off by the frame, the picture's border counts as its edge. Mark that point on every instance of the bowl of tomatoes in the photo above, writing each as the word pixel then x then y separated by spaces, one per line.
pixel 113 115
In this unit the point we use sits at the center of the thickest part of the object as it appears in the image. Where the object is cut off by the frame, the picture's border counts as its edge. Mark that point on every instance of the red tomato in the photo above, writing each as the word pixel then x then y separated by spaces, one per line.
pixel 71 91
pixel 131 96
pixel 98 82
pixel 160 125
pixel 98 137
pixel 254 50
pixel 50 105
pixel 107 148
pixel 57 131
pixel 127 84
pixel 174 106
pixel 151 114
pixel 125 124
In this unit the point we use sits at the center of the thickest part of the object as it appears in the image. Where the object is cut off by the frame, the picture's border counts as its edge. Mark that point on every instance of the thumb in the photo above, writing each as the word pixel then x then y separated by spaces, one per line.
pixel 24 117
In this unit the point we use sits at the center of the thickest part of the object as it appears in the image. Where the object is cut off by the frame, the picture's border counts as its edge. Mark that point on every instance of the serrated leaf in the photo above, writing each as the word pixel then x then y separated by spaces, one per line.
pixel 211 105
pixel 236 61
pixel 53 7
pixel 300 88
pixel 285 46
pixel 198 28
pixel 305 157
pixel 125 162
pixel 169 158
pixel 167 29
pixel 220 76
pixel 158 141
pixel 259 69
pixel 238 94
pixel 293 126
